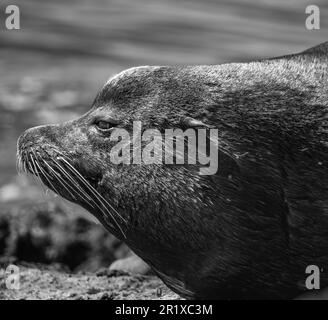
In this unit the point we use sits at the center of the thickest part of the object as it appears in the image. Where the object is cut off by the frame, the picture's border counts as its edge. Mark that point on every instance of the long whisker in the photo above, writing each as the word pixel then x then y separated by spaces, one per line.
pixel 78 181
pixel 19 167
pixel 47 177
pixel 34 161
pixel 60 180
pixel 93 189
pixel 97 195
pixel 31 169
pixel 35 173
pixel 94 192
pixel 85 196
pixel 59 167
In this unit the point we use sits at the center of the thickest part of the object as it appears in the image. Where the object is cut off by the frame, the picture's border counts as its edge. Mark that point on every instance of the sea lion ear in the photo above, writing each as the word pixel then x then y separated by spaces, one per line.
pixel 194 123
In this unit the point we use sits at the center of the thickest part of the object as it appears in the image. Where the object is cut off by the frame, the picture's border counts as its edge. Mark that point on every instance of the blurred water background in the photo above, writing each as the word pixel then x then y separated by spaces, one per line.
pixel 52 68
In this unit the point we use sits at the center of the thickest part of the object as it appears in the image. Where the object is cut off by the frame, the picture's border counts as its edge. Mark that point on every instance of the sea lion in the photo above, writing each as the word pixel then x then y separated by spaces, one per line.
pixel 248 231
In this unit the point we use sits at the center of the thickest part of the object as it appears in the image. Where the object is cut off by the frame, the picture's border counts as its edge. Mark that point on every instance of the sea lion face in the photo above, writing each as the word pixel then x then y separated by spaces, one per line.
pixel 74 158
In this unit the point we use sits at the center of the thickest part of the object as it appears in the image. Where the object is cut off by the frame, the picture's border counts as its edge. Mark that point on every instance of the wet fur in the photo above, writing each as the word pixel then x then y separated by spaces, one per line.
pixel 250 230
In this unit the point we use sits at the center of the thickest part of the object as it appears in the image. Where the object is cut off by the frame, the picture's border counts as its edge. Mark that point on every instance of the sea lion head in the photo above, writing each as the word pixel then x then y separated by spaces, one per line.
pixel 74 158
pixel 201 233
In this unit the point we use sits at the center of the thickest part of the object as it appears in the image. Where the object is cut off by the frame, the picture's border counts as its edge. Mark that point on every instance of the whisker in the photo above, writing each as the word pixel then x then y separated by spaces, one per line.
pixel 19 164
pixel 93 189
pixel 34 160
pixel 76 180
pixel 61 180
pixel 98 196
pixel 84 195
pixel 45 175
pixel 59 167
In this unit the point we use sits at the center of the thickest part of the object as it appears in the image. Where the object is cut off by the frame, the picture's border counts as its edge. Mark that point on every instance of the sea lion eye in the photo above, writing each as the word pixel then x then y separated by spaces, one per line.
pixel 104 125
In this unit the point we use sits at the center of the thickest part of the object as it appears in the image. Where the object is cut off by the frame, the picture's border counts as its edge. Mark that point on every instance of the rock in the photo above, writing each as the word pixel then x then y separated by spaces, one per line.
pixel 47 283
pixel 132 264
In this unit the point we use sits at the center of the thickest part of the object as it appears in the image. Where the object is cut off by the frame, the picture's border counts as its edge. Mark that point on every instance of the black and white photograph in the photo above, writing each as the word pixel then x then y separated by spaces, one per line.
pixel 169 151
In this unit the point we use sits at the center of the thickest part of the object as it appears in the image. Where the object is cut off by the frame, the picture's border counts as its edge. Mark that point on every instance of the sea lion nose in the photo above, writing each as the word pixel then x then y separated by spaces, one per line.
pixel 32 137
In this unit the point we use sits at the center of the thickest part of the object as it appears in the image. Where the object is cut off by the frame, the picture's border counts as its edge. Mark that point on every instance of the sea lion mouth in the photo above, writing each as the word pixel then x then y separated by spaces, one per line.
pixel 63 176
